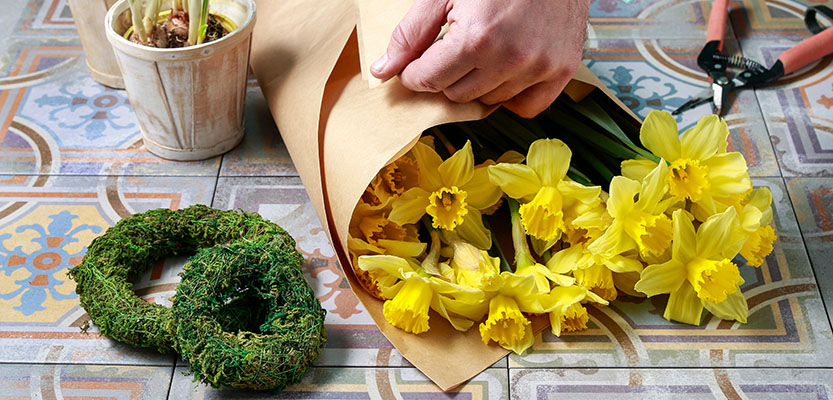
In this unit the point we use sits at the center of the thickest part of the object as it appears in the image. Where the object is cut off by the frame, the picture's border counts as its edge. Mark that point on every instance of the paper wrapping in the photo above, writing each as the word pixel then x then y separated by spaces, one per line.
pixel 341 129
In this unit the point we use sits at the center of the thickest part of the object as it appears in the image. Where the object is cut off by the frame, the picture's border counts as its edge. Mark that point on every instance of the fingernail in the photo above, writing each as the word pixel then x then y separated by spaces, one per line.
pixel 379 65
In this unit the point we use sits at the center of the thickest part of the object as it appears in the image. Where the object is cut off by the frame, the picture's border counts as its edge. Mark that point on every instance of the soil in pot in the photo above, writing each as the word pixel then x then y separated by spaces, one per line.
pixel 173 31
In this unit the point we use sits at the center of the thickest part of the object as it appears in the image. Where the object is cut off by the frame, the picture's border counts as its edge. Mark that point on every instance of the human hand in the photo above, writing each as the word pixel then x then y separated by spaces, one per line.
pixel 518 52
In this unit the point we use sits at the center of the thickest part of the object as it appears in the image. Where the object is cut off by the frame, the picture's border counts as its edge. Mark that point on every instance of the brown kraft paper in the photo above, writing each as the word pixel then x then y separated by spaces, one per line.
pixel 340 132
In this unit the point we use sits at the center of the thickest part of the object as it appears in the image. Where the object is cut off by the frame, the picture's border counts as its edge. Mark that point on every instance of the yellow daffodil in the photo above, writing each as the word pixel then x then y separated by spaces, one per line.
pixel 506 323
pixel 568 314
pixel 372 232
pixel 453 192
pixel 637 223
pixel 701 170
pixel 593 271
pixel 585 223
pixel 474 267
pixel 415 291
pixel 542 187
pixel 524 262
pixel 698 274
pixel 755 220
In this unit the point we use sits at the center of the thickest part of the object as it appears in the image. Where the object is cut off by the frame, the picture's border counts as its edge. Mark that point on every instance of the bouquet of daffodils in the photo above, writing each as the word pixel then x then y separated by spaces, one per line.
pixel 678 219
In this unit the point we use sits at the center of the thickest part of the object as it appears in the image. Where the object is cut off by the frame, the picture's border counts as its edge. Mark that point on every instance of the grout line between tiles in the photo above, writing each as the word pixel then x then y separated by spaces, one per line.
pixel 147 175
pixel 807 252
pixel 171 382
pixel 690 367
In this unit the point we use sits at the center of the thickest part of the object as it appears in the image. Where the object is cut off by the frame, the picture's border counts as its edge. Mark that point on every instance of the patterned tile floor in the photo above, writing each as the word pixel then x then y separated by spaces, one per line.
pixel 72 164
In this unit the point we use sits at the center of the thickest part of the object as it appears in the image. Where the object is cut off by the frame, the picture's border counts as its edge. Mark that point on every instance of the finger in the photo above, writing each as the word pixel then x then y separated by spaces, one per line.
pixel 535 99
pixel 475 84
pixel 415 33
pixel 505 92
pixel 440 66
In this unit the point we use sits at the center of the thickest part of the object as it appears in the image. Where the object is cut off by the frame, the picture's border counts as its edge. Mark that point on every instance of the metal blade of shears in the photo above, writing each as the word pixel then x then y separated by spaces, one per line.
pixel 702 97
pixel 719 97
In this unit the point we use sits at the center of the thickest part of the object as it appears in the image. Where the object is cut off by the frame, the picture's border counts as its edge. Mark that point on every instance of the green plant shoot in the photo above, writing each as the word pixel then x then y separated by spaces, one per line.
pixel 136 16
pixel 151 15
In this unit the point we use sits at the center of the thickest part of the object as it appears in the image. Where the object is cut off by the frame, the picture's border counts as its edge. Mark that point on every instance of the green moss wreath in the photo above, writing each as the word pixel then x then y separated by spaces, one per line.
pixel 245 316
pixel 125 251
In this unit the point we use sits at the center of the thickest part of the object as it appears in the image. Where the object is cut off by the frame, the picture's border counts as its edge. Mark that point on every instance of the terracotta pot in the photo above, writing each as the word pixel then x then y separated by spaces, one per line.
pixel 189 101
pixel 101 62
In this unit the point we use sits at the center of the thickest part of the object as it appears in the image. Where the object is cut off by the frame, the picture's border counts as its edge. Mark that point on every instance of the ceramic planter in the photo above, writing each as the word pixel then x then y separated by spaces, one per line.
pixel 101 62
pixel 189 101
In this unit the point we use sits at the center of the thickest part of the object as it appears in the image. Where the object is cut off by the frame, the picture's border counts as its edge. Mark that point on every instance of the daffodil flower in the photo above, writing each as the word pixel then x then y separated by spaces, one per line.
pixel 372 232
pixel 569 315
pixel 473 267
pixel 701 170
pixel 755 229
pixel 524 262
pixel 506 323
pixel 593 271
pixel 542 187
pixel 699 274
pixel 638 223
pixel 452 192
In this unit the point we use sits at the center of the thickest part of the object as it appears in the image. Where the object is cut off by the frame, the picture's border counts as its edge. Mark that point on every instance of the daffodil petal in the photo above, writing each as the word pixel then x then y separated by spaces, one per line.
pixel 516 180
pixel 575 190
pixel 473 231
pixel 684 242
pixel 511 156
pixel 460 324
pixel 482 193
pixel 653 188
pixel 613 241
pixel 565 260
pixel 706 139
pixel 474 310
pixel 684 306
pixel 410 207
pixel 637 169
pixel 525 343
pixel 392 265
pixel 621 264
pixel 458 169
pixel 733 308
pixel 622 193
pixel 715 234
pixel 550 159
pixel 661 278
pixel 360 247
pixel 659 135
pixel 728 174
pixel 429 164
pixel 402 248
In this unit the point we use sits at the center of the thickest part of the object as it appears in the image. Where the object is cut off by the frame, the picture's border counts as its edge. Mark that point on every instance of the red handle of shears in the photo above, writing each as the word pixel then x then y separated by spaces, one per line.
pixel 818 46
pixel 717 22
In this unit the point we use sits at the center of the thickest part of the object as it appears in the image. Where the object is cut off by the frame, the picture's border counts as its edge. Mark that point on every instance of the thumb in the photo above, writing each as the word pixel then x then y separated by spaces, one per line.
pixel 415 33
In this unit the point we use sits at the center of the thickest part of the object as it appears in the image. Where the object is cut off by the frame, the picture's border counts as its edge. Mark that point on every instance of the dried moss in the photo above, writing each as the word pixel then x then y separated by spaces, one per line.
pixel 244 315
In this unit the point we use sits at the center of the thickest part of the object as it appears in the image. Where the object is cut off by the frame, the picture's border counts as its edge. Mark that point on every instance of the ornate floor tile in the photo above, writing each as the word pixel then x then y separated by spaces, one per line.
pixel 54 119
pixel 356 383
pixel 262 152
pixel 787 325
pixel 24 381
pixel 813 202
pixel 45 18
pixel 638 19
pixel 353 338
pixel 798 111
pixel 663 74
pixel 45 225
pixel 689 384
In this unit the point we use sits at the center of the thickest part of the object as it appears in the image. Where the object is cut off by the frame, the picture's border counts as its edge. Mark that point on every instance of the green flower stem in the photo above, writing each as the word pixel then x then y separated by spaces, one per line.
pixel 431 262
pixel 136 16
pixel 151 15
pixel 523 257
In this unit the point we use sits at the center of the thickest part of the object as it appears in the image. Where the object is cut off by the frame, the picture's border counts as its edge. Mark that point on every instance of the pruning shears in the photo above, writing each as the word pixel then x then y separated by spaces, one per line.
pixel 753 73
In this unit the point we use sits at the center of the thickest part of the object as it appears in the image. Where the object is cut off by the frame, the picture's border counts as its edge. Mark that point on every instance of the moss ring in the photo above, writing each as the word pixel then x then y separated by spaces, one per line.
pixel 103 279
pixel 246 317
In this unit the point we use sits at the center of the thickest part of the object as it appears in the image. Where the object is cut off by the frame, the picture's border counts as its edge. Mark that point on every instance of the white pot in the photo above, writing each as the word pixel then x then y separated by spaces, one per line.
pixel 101 62
pixel 189 101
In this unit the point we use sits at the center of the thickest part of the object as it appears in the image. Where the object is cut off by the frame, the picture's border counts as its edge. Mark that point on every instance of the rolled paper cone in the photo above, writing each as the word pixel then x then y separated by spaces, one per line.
pixel 340 132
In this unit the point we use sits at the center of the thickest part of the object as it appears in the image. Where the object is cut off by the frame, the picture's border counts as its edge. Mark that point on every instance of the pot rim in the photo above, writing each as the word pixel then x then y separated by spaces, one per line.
pixel 118 40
